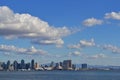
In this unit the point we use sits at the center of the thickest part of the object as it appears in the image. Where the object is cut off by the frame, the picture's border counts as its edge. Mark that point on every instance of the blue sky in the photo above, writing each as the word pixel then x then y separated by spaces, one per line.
pixel 51 30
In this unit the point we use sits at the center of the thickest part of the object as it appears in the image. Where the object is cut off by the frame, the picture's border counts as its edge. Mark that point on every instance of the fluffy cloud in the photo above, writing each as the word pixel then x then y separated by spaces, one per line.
pixel 92 22
pixel 83 43
pixel 48 42
pixel 113 49
pixel 113 15
pixel 76 53
pixel 15 25
pixel 13 49
pixel 97 56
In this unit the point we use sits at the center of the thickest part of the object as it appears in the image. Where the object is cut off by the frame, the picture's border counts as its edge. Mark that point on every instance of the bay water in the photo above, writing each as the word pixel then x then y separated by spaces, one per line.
pixel 60 75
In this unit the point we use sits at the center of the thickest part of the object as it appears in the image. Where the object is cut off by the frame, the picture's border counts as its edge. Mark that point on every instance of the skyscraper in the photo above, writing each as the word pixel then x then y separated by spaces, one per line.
pixel 15 65
pixel 8 64
pixel 36 66
pixel 22 64
pixel 27 66
pixel 52 64
pixel 4 66
pixel 61 64
pixel 1 66
pixel 32 64
pixel 67 64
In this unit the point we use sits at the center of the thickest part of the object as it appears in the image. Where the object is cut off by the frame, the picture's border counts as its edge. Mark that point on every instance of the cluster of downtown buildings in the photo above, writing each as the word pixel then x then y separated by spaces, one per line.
pixel 34 66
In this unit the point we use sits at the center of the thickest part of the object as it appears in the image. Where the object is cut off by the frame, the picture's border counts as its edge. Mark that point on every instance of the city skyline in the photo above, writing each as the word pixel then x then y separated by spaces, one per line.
pixel 34 66
pixel 79 30
pixel 62 65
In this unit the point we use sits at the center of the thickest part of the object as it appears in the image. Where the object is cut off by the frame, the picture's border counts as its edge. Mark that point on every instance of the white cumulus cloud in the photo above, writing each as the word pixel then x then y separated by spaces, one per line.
pixel 48 42
pixel 113 15
pixel 113 49
pixel 12 49
pixel 75 53
pixel 96 56
pixel 92 22
pixel 83 43
pixel 15 25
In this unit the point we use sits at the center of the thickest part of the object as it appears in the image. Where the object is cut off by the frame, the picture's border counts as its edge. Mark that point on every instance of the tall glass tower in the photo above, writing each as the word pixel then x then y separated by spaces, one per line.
pixel 15 64
pixel 8 64
pixel 32 64
pixel 22 64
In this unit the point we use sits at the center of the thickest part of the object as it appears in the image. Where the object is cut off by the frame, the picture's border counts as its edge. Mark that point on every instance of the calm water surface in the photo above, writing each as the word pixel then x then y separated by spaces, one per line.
pixel 61 75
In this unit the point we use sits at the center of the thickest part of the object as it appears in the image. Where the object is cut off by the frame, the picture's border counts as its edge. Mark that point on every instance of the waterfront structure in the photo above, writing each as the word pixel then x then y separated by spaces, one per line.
pixel 1 68
pixel 11 67
pixel 36 66
pixel 58 67
pixel 27 66
pixel 22 64
pixel 32 64
pixel 67 65
pixel 8 65
pixel 73 66
pixel 61 64
pixel 19 65
pixel 15 65
pixel 84 66
pixel 52 64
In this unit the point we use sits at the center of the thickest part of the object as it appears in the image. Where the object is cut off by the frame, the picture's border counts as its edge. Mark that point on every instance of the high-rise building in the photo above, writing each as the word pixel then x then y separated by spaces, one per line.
pixel 73 66
pixel 27 66
pixel 67 64
pixel 22 64
pixel 36 66
pixel 84 66
pixel 15 65
pixel 4 66
pixel 32 64
pixel 8 65
pixel 52 64
pixel 19 65
pixel 61 64
pixel 1 68
pixel 58 67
